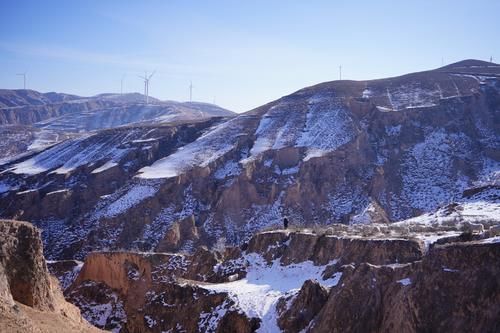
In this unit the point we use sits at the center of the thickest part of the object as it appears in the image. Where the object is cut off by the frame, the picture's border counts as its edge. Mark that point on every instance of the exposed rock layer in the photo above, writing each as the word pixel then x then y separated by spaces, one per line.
pixel 382 285
pixel 30 299
pixel 342 151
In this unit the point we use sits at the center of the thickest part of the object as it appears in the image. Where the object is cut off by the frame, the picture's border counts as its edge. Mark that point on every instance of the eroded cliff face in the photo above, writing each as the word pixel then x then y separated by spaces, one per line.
pixel 418 275
pixel 22 260
pixel 68 180
pixel 30 299
pixel 321 250
pixel 338 152
pixel 149 292
pixel 453 288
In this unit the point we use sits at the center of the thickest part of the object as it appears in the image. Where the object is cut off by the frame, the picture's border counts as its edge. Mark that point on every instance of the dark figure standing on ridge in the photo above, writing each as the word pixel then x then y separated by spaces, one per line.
pixel 285 223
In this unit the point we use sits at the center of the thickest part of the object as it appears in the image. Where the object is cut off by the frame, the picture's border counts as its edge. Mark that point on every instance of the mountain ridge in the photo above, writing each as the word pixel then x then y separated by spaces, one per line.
pixel 341 151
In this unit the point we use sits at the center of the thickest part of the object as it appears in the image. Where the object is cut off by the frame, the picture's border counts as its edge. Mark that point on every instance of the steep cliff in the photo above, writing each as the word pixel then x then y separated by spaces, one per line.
pixel 30 299
pixel 429 277
pixel 338 152
pixel 70 179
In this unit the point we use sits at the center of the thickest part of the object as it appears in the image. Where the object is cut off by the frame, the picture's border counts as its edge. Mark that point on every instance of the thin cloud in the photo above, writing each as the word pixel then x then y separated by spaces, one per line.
pixel 88 57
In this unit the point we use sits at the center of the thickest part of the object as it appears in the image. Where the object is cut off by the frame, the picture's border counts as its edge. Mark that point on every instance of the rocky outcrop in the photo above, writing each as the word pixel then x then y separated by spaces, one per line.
pixel 22 259
pixel 193 309
pixel 30 299
pixel 293 247
pixel 299 281
pixel 180 231
pixel 152 292
pixel 296 312
pixel 99 304
pixel 122 270
pixel 454 288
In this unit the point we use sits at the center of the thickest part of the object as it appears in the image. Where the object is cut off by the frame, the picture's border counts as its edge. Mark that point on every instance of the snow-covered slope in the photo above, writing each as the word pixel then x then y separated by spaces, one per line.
pixel 23 97
pixel 130 114
pixel 265 284
pixel 342 151
pixel 40 120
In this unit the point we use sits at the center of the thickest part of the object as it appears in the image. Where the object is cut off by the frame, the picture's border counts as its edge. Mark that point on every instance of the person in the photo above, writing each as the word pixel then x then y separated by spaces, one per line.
pixel 285 223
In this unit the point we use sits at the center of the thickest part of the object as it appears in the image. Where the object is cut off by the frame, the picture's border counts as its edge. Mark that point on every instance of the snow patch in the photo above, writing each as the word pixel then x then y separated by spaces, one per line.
pixel 131 198
pixel 405 282
pixel 104 167
pixel 229 169
pixel 328 126
pixel 427 171
pixel 205 150
pixel 258 293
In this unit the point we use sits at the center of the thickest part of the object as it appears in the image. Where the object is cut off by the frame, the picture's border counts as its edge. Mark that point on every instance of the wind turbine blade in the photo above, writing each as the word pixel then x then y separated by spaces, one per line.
pixel 151 75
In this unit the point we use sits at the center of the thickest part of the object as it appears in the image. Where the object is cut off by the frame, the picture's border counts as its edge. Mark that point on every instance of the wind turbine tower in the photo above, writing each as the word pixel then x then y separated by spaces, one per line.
pixel 24 79
pixel 121 83
pixel 190 91
pixel 146 79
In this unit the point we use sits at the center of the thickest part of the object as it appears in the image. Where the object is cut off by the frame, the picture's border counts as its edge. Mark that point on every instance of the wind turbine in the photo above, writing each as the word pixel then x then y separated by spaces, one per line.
pixel 121 83
pixel 190 91
pixel 146 79
pixel 24 79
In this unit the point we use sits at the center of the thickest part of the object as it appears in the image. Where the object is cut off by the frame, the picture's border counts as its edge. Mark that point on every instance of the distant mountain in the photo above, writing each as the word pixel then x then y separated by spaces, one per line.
pixel 24 97
pixel 341 151
pixel 126 98
pixel 38 120
pixel 476 66
pixel 26 107
pixel 79 121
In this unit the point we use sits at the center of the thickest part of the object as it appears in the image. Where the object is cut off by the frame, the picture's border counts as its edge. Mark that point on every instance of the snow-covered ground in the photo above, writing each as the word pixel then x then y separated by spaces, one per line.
pixel 105 166
pixel 71 154
pixel 412 96
pixel 324 127
pixel 132 197
pixel 328 126
pixel 205 150
pixel 473 211
pixel 44 139
pixel 320 128
pixel 66 279
pixel 428 176
pixel 258 293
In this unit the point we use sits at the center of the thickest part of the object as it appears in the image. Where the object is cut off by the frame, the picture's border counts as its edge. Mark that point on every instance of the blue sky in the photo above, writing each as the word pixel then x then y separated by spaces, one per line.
pixel 240 53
